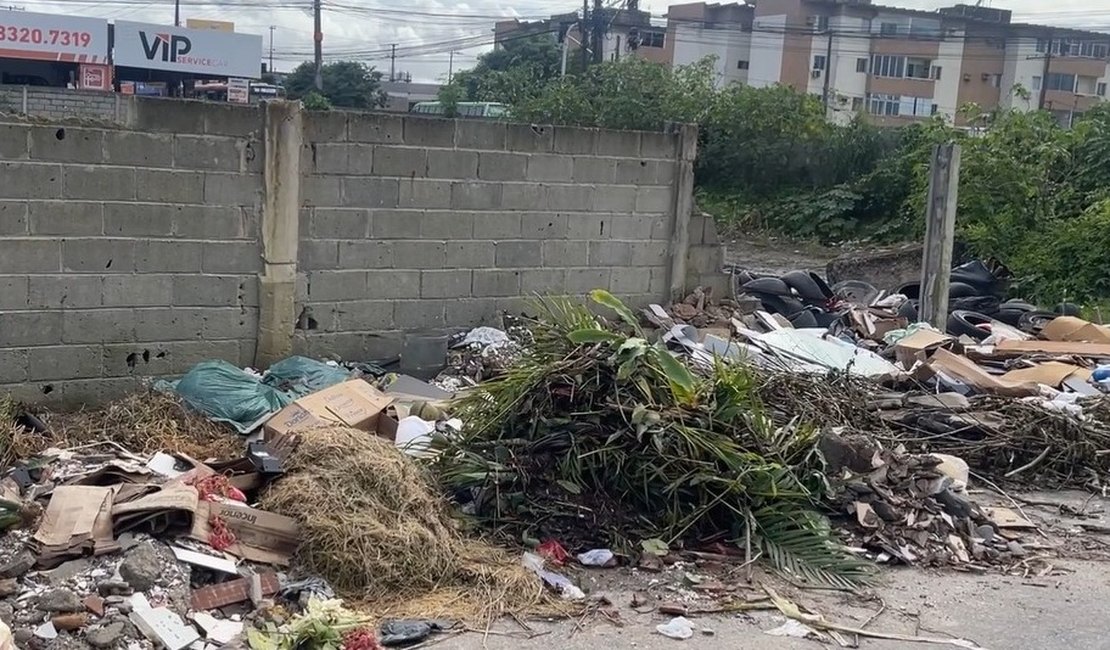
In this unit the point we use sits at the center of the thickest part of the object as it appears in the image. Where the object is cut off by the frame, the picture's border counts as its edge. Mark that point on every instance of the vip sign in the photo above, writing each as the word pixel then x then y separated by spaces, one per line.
pixel 166 47
pixel 193 51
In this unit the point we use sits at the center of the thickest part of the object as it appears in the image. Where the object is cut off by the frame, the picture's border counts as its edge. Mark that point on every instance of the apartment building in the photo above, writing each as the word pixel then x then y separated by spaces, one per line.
pixel 893 64
pixel 629 33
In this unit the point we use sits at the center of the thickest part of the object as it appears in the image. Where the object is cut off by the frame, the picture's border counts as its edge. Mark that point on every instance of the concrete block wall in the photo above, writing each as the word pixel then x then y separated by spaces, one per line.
pixel 413 223
pixel 124 253
pixel 181 231
pixel 61 103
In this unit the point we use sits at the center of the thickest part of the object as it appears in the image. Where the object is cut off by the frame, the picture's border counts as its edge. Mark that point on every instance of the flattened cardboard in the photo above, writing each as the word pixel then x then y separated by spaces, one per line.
pixel 1077 348
pixel 354 403
pixel 912 348
pixel 76 522
pixel 1050 373
pixel 1070 328
pixel 171 508
pixel 967 371
pixel 260 536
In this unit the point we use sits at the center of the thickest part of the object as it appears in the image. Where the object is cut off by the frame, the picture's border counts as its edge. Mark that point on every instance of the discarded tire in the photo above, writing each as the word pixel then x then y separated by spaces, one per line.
pixel 1066 309
pixel 962 322
pixel 1032 322
pixel 856 292
pixel 804 318
pixel 803 284
pixel 769 286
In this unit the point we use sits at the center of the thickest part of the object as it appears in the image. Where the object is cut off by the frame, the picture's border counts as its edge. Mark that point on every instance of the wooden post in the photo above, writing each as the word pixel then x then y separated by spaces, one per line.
pixel 940 230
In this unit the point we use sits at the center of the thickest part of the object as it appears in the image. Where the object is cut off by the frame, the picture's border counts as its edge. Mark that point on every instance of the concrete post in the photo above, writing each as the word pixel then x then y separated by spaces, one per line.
pixel 281 178
pixel 686 149
pixel 940 231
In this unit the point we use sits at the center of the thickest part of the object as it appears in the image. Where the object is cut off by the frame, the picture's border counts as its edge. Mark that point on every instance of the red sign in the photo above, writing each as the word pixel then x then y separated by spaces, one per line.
pixel 95 77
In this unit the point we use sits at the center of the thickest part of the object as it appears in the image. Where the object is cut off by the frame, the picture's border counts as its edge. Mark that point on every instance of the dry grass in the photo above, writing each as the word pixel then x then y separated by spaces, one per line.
pixel 144 422
pixel 373 526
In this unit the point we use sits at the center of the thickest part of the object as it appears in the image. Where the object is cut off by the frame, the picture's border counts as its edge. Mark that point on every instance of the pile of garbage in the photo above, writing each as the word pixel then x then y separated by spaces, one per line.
pixel 300 499
pixel 818 429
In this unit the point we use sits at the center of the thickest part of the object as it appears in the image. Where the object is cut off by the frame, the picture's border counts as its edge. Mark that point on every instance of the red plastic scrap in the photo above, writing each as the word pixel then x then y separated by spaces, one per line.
pixel 221 538
pixel 554 551
pixel 361 639
pixel 211 488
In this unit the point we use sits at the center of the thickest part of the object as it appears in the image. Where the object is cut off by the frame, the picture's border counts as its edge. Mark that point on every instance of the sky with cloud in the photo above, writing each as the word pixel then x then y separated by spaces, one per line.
pixel 426 32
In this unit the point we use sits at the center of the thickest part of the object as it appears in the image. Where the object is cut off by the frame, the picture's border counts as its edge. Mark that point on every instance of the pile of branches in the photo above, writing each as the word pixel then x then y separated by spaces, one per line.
pixel 1012 439
pixel 598 436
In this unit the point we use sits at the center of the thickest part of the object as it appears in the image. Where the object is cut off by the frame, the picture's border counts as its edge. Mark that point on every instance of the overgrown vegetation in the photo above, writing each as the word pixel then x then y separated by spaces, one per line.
pixel 1031 192
pixel 599 437
pixel 347 84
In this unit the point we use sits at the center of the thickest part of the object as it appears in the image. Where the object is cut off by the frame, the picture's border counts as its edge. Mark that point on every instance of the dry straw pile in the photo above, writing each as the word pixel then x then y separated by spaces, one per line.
pixel 374 527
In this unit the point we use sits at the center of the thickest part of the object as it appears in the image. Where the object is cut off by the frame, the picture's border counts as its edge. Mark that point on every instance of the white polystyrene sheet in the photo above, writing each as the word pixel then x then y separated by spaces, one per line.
pixel 808 345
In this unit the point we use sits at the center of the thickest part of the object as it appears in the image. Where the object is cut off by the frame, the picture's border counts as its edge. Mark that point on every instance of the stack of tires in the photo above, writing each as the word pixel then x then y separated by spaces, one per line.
pixel 976 298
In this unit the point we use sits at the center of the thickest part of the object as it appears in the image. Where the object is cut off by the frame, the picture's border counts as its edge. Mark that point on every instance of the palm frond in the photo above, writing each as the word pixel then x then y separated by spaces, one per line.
pixel 801 549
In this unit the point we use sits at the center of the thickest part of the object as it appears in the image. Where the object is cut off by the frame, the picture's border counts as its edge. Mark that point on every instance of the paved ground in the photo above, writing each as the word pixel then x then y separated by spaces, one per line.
pixel 1065 609
pixel 997 612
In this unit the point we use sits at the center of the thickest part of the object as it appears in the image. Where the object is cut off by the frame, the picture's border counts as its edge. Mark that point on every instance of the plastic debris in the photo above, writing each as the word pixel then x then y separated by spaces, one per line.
pixel 484 336
pixel 414 435
pixel 679 627
pixel 793 628
pixel 600 557
pixel 407 632
pixel 560 583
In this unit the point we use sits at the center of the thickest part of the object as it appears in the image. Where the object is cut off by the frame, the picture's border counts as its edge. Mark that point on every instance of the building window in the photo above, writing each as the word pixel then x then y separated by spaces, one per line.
pixel 996 80
pixel 819 62
pixel 935 72
pixel 1036 83
pixel 861 65
pixel 1100 90
pixel 879 104
pixel 915 106
pixel 1042 45
pixel 857 104
pixel 742 65
pixel 651 39
pixel 819 23
pixel 1060 81
pixel 934 109
pixel 884 65
pixel 917 68
pixel 888 29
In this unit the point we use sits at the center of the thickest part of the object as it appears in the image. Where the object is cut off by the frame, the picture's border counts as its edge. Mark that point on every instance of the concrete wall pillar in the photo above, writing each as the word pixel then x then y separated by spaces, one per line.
pixel 686 151
pixel 281 177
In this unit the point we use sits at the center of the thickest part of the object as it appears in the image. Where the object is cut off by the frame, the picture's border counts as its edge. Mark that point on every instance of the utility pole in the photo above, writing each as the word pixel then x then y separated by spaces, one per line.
pixel 393 62
pixel 566 50
pixel 450 66
pixel 825 98
pixel 597 18
pixel 583 33
pixel 1044 74
pixel 940 230
pixel 177 13
pixel 272 28
pixel 318 44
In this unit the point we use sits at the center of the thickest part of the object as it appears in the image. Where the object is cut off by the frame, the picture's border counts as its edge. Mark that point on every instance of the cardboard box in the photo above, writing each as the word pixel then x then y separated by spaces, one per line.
pixel 916 346
pixel 353 403
pixel 260 536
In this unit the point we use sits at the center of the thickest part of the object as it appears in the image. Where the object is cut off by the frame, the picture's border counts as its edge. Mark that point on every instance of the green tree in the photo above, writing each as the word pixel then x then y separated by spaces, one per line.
pixel 347 84
pixel 512 72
